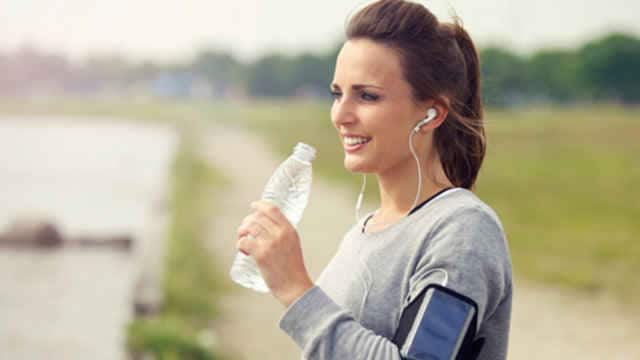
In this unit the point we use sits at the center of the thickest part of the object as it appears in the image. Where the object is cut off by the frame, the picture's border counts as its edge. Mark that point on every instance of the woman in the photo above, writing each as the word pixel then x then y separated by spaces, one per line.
pixel 406 103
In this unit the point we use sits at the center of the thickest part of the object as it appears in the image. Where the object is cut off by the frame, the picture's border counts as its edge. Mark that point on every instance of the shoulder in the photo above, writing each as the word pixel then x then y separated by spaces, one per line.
pixel 459 209
pixel 462 201
pixel 463 231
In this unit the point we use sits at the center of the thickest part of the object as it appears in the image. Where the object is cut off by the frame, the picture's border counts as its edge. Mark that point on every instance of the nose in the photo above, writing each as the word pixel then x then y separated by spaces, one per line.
pixel 342 113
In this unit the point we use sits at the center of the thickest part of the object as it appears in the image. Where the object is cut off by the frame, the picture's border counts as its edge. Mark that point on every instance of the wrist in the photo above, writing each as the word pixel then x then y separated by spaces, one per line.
pixel 292 295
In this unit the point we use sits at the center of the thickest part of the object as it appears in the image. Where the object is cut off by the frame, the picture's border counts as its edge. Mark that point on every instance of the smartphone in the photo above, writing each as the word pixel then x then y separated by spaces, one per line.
pixel 439 324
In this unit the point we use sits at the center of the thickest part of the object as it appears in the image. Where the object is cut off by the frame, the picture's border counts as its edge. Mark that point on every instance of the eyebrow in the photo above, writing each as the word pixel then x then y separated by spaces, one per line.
pixel 357 86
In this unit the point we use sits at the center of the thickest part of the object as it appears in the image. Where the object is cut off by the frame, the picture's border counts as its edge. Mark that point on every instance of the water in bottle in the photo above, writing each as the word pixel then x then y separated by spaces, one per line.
pixel 288 188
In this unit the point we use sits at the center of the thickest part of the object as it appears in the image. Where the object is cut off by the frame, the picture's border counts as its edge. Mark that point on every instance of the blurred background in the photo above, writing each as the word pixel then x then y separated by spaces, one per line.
pixel 128 129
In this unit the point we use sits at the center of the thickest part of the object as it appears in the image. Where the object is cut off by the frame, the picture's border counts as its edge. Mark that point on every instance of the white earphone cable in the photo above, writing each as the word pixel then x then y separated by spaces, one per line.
pixel 359 201
pixel 415 156
pixel 415 202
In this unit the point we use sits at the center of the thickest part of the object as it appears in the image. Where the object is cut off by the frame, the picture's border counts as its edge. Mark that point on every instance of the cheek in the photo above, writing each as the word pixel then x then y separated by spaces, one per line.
pixel 332 114
pixel 392 135
pixel 385 126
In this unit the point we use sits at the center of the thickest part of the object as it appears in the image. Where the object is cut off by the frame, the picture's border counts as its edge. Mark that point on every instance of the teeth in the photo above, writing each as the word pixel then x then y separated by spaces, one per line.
pixel 355 140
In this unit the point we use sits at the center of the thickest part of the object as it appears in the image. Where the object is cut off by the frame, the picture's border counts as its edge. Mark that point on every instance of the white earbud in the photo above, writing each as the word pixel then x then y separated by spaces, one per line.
pixel 431 114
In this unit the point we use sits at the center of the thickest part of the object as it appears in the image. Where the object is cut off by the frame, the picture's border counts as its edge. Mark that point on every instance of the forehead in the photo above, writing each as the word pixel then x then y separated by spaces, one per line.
pixel 364 61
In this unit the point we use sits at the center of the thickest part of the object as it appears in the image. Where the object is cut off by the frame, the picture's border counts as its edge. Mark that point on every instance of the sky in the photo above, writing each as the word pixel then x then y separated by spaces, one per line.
pixel 167 31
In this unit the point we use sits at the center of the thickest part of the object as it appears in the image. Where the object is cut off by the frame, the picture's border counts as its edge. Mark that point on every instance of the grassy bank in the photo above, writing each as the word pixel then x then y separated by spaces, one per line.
pixel 182 329
pixel 562 180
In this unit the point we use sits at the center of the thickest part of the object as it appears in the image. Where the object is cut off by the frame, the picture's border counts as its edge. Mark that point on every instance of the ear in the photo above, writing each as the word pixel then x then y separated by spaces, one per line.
pixel 443 112
pixel 441 108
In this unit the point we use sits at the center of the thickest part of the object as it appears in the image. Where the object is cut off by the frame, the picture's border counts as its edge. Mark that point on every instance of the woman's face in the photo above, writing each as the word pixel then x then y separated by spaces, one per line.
pixel 373 103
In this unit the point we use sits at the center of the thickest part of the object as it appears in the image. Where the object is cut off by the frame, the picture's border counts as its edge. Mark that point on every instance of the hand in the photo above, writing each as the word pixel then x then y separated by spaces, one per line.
pixel 275 247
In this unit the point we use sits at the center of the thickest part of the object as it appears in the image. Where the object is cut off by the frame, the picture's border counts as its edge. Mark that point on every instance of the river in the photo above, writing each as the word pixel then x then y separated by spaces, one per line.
pixel 88 176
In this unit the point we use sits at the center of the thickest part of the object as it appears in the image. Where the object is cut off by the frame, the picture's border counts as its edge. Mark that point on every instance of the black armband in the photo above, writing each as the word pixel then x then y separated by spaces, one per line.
pixel 439 324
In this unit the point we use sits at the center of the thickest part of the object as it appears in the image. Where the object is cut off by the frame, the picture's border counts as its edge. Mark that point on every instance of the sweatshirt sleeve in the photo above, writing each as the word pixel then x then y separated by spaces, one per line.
pixel 324 331
pixel 462 245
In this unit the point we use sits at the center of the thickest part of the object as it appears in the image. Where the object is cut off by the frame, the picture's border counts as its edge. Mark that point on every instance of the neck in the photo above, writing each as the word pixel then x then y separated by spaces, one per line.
pixel 398 186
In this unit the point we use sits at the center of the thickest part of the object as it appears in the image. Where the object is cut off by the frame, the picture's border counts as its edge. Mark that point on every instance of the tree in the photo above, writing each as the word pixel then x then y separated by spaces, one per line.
pixel 552 74
pixel 220 69
pixel 503 76
pixel 271 75
pixel 610 68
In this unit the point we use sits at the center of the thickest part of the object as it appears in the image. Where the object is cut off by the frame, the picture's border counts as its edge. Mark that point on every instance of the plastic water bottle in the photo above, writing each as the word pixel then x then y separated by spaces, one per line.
pixel 288 188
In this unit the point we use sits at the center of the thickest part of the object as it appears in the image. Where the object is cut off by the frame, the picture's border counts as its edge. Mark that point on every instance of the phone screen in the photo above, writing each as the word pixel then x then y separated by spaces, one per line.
pixel 439 327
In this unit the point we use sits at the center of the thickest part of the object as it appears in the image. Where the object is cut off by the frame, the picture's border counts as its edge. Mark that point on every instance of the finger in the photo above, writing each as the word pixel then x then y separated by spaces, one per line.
pixel 254 229
pixel 266 223
pixel 257 225
pixel 270 210
pixel 258 231
pixel 247 244
pixel 244 227
pixel 242 231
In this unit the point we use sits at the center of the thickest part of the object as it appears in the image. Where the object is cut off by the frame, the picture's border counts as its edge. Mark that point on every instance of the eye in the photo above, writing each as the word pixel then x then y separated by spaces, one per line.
pixel 368 96
pixel 335 94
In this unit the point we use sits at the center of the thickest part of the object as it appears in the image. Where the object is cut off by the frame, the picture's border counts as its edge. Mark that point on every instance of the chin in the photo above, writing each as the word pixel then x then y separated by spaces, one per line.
pixel 357 166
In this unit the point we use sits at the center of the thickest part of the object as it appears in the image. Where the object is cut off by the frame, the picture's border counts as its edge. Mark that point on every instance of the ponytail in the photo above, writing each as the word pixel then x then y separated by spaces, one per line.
pixel 460 140
pixel 472 106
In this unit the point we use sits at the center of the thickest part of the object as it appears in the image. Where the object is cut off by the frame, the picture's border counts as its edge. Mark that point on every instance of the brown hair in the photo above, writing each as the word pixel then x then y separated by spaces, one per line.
pixel 440 62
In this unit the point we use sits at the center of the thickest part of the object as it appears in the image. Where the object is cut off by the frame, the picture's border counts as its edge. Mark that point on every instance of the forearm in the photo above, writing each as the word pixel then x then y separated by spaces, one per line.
pixel 323 330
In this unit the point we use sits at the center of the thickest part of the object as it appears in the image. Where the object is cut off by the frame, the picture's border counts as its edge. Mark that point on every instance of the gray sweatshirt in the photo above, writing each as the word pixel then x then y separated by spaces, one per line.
pixel 354 309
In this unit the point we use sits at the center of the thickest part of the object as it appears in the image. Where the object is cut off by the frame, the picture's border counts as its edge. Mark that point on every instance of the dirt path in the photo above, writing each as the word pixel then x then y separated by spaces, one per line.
pixel 547 323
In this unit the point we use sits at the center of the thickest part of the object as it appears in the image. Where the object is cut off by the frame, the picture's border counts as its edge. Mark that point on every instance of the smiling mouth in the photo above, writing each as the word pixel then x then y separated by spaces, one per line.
pixel 355 146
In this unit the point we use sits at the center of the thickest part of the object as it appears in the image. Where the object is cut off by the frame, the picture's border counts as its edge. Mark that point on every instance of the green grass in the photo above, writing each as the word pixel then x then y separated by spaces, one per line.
pixel 563 180
pixel 191 282
pixel 166 339
pixel 564 183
